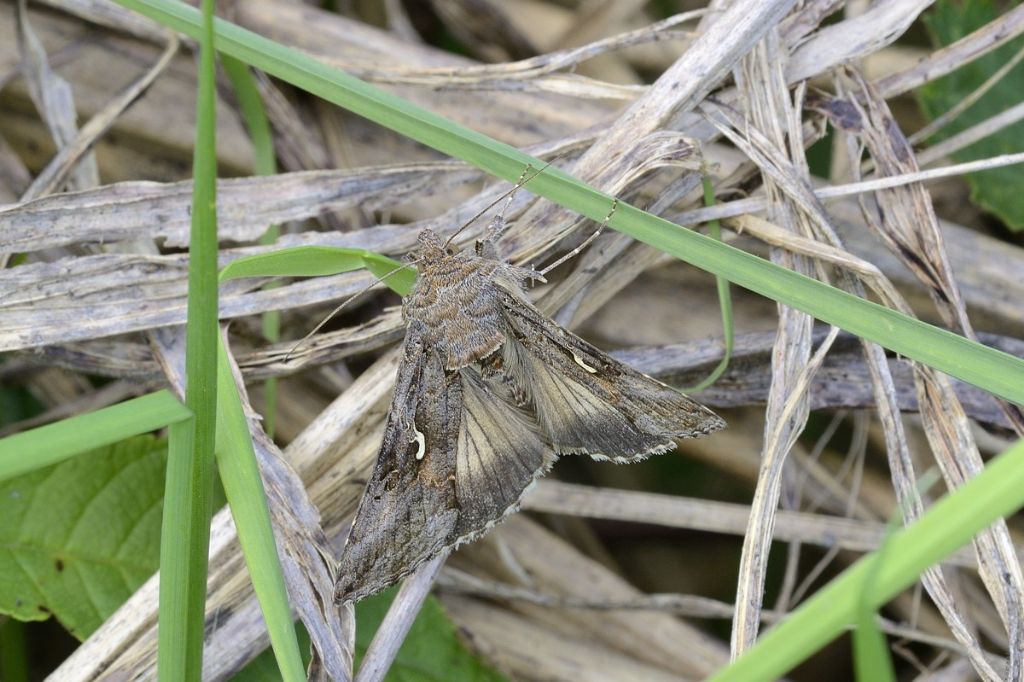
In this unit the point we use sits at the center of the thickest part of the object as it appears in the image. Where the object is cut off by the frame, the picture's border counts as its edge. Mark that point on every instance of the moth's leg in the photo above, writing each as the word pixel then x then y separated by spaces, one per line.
pixel 586 242
pixel 498 225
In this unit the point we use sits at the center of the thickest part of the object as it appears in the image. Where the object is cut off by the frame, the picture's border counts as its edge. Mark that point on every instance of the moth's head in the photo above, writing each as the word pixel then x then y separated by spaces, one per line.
pixel 432 247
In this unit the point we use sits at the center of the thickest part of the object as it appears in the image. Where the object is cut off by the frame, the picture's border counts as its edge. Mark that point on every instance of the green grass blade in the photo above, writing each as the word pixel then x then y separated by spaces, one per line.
pixel 987 368
pixel 188 501
pixel 871 660
pixel 996 492
pixel 250 104
pixel 314 261
pixel 724 300
pixel 239 472
pixel 46 445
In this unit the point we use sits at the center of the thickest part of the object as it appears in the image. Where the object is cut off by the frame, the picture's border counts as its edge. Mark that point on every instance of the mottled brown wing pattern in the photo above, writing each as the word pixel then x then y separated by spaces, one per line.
pixel 488 393
pixel 456 457
pixel 586 401
pixel 409 509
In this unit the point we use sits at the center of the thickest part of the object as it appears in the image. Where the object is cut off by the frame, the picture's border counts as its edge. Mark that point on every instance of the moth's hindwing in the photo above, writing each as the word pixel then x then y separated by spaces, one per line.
pixel 500 453
pixel 588 402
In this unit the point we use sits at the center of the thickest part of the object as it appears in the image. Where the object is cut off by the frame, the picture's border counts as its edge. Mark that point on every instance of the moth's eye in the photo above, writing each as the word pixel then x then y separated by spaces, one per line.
pixel 449 250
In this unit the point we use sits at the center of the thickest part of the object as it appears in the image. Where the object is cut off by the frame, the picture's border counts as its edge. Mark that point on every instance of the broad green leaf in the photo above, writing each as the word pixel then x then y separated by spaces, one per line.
pixel 79 537
pixel 997 190
pixel 431 652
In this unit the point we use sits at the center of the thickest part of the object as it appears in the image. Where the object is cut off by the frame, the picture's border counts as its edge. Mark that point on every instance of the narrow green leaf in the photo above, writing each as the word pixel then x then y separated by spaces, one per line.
pixel 263 668
pixel 315 261
pixel 80 536
pixel 250 104
pixel 46 445
pixel 996 492
pixel 871 660
pixel 399 277
pixel 724 300
pixel 989 369
pixel 431 652
pixel 239 472
pixel 190 471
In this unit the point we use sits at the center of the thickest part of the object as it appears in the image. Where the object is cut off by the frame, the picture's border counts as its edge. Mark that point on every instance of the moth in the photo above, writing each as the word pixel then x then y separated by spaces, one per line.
pixel 489 393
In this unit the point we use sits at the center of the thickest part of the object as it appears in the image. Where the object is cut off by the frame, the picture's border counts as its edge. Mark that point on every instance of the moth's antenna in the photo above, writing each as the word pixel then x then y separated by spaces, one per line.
pixel 523 179
pixel 586 242
pixel 344 304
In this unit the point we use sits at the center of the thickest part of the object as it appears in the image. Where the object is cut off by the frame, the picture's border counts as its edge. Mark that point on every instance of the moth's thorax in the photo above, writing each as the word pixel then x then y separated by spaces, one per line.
pixel 456 299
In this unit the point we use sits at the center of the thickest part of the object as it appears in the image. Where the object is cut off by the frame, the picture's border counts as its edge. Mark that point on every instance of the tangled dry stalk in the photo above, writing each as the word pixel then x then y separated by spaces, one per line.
pixel 740 91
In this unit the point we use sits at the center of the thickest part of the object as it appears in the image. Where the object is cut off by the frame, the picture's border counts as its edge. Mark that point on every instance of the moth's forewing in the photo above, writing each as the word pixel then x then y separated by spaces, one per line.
pixel 456 457
pixel 409 509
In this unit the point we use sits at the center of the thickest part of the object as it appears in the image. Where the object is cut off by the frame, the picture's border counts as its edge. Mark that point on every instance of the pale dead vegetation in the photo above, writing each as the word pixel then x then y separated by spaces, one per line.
pixel 740 90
